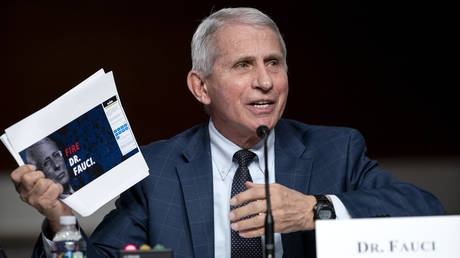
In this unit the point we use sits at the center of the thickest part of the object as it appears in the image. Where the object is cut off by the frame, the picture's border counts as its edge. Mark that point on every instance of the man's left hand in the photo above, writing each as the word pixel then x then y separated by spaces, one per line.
pixel 292 211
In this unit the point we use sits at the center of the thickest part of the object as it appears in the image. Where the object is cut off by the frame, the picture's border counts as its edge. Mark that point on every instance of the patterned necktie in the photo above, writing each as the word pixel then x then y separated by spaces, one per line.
pixel 243 247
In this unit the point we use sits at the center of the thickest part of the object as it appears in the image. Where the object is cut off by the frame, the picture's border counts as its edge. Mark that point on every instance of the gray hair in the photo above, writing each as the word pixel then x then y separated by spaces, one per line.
pixel 30 151
pixel 203 45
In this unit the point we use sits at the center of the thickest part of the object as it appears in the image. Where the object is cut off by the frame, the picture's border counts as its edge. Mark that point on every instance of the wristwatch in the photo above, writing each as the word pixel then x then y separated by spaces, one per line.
pixel 323 208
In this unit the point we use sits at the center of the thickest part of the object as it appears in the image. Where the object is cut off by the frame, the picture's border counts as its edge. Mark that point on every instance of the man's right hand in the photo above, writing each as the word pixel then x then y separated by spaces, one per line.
pixel 41 193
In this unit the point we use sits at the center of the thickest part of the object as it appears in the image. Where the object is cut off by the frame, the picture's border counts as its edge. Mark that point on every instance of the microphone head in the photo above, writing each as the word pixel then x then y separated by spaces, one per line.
pixel 262 131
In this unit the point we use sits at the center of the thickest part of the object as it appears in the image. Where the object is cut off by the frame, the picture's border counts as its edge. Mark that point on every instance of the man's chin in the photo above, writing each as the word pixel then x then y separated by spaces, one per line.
pixel 63 181
pixel 268 122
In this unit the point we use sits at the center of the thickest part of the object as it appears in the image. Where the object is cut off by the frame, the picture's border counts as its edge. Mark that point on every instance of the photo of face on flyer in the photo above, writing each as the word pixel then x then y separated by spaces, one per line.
pixel 47 157
pixel 84 149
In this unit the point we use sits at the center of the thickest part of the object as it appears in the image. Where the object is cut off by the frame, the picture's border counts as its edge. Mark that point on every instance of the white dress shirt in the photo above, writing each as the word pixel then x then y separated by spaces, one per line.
pixel 223 170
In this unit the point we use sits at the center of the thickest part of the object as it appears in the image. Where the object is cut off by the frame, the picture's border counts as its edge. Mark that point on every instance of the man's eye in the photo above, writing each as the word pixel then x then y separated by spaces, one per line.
pixel 273 63
pixel 242 65
pixel 46 163
pixel 57 154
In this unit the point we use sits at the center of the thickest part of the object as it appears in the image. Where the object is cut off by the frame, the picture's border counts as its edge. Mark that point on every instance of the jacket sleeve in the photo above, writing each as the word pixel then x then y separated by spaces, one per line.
pixel 127 224
pixel 373 192
pixel 124 225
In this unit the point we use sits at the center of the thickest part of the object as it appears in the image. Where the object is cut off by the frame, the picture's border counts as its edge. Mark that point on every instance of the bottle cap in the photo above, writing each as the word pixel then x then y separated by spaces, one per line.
pixel 67 220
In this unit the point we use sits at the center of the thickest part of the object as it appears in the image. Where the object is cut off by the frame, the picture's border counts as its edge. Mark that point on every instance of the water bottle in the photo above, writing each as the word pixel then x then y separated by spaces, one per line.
pixel 68 240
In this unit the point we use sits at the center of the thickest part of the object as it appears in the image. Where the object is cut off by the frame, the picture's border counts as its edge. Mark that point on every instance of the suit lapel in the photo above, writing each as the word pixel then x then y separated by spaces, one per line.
pixel 292 169
pixel 292 163
pixel 197 186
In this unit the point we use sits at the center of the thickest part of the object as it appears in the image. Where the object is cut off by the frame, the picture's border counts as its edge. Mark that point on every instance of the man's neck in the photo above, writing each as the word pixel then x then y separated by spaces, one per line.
pixel 243 141
pixel 67 189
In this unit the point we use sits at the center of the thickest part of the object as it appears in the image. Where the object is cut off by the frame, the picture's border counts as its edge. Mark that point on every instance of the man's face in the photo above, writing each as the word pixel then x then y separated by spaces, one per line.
pixel 249 83
pixel 50 161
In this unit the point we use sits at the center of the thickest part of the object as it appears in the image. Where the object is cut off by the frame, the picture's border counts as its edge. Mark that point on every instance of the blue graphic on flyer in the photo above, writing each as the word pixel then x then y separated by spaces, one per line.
pixel 80 151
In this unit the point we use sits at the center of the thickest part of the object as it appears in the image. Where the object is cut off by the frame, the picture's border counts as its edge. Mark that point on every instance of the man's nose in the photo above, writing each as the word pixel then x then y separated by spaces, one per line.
pixel 56 164
pixel 263 79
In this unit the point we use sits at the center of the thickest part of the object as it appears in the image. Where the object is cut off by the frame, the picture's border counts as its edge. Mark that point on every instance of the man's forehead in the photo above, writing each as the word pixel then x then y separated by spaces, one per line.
pixel 231 39
pixel 46 145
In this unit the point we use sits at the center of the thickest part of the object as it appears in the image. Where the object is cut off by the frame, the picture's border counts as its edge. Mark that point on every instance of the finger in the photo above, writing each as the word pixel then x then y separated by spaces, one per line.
pixel 53 191
pixel 257 232
pixel 250 184
pixel 29 179
pixel 251 208
pixel 49 199
pixel 50 205
pixel 40 187
pixel 249 224
pixel 252 194
pixel 17 174
pixel 44 192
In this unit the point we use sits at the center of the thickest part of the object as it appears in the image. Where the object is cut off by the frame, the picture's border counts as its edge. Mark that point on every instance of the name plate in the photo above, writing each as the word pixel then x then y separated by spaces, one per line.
pixel 436 236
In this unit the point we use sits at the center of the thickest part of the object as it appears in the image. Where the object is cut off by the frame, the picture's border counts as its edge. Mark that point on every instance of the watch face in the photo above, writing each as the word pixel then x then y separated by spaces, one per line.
pixel 323 208
pixel 324 214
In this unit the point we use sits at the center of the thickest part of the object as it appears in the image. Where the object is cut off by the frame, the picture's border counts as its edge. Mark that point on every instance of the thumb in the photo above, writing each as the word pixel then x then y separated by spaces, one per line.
pixel 250 185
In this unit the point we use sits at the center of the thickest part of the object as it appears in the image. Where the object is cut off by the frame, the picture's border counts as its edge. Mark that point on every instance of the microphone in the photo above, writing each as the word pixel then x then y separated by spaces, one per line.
pixel 262 131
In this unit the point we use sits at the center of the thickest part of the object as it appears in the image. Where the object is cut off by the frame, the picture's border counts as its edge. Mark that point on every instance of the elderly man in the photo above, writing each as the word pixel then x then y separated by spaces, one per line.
pixel 199 199
pixel 47 157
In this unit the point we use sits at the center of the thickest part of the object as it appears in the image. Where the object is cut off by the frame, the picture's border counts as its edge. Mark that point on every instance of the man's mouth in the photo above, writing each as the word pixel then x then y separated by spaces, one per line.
pixel 261 104
pixel 60 176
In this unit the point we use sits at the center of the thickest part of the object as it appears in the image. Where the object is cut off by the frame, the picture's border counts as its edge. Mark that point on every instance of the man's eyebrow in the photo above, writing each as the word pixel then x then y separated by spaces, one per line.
pixel 252 58
pixel 273 57
pixel 244 59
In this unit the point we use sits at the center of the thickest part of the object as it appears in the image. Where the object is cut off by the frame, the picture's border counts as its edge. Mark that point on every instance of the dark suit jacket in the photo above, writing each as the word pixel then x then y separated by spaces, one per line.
pixel 173 206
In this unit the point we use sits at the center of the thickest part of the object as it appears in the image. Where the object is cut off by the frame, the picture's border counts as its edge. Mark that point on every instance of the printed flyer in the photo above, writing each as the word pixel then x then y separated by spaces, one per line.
pixel 90 148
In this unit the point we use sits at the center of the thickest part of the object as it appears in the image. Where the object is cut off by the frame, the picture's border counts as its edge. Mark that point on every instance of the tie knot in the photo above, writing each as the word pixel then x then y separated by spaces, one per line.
pixel 243 157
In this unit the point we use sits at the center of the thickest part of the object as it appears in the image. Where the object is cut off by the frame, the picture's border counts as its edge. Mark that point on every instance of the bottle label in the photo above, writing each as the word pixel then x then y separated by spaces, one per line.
pixel 70 254
pixel 69 249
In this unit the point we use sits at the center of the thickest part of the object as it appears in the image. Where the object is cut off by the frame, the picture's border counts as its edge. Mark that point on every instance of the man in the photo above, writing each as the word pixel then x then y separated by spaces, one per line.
pixel 189 202
pixel 47 157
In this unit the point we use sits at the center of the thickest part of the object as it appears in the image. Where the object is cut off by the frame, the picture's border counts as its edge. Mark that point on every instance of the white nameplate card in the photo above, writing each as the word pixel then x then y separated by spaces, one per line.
pixel 418 237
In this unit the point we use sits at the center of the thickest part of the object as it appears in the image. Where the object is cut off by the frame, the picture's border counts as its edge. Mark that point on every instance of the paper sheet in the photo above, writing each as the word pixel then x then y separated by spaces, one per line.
pixel 84 141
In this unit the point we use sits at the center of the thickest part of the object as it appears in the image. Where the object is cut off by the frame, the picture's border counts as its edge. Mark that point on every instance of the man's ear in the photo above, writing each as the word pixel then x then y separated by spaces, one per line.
pixel 198 87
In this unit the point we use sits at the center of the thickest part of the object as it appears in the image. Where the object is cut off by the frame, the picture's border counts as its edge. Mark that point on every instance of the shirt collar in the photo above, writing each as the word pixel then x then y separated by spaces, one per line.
pixel 222 150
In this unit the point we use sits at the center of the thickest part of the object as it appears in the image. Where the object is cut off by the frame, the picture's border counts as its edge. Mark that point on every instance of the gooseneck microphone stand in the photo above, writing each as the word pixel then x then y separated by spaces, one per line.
pixel 262 132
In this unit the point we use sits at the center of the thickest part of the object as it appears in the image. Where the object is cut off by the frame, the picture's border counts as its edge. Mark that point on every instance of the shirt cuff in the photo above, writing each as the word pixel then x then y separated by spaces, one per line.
pixel 340 211
pixel 48 245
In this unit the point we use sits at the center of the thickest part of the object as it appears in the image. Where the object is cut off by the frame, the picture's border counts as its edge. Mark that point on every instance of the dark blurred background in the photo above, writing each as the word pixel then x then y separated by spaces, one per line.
pixel 384 67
